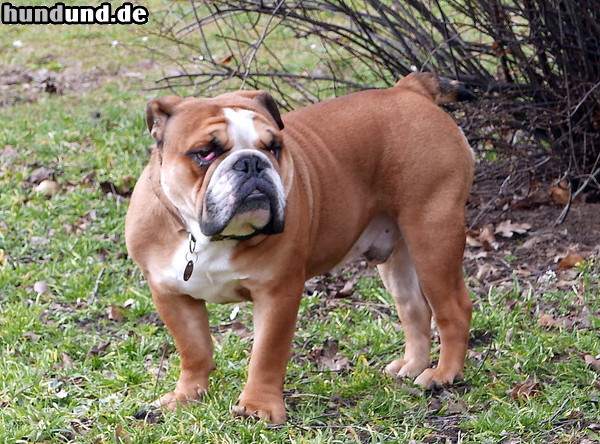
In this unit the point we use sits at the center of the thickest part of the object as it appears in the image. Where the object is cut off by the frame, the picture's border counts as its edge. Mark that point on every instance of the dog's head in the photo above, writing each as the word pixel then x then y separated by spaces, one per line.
pixel 222 161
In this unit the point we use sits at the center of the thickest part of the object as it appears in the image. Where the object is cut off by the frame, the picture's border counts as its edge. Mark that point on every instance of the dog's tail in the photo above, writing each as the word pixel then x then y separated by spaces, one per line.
pixel 440 89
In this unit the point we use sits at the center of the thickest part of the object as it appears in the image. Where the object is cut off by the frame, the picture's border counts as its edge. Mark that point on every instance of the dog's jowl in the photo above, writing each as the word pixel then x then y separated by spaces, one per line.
pixel 239 203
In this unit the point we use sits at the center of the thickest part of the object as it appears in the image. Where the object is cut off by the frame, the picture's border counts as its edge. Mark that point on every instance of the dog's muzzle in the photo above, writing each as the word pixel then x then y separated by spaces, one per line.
pixel 244 197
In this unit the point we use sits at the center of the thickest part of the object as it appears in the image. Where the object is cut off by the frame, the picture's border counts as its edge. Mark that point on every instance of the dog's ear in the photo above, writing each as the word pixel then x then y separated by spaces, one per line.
pixel 158 112
pixel 268 102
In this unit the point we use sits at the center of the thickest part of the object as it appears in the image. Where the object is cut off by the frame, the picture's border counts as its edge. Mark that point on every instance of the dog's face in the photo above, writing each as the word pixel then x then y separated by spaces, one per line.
pixel 221 162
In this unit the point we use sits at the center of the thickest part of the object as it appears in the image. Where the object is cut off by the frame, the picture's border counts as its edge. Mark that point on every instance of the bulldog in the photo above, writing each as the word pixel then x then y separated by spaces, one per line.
pixel 239 203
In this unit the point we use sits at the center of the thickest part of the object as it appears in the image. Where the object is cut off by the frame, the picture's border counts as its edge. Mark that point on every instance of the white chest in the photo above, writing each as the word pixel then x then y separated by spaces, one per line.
pixel 213 278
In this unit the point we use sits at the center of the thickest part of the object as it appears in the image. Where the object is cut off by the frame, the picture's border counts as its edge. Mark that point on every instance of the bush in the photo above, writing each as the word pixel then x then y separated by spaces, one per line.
pixel 535 64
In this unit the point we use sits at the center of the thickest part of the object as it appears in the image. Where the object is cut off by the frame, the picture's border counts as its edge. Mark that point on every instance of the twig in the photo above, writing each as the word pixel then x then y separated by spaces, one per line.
pixel 97 285
pixel 561 218
pixel 556 413
pixel 263 74
pixel 257 45
pixel 160 368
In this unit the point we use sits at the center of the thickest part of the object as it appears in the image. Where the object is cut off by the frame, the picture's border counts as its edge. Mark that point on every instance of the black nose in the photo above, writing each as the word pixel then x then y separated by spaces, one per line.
pixel 250 165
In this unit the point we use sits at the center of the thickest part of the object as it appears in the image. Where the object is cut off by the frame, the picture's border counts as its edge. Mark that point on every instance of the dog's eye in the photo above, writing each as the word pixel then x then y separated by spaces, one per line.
pixel 205 156
pixel 275 149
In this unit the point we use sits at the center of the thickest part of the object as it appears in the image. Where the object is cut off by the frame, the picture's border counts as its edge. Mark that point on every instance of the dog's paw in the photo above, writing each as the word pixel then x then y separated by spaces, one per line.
pixel 267 407
pixel 434 378
pixel 403 368
pixel 177 398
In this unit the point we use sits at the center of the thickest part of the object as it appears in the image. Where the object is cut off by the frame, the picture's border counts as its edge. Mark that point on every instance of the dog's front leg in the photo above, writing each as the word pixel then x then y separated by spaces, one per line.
pixel 187 321
pixel 275 316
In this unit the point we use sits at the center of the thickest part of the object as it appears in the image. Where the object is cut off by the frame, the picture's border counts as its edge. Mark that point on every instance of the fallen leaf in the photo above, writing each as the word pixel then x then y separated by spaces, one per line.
pixel 116 313
pixel 487 239
pixel 524 391
pixel 109 187
pixel 97 350
pixel 121 435
pixel 592 362
pixel 458 407
pixel 241 330
pixel 477 355
pixel 347 289
pixel 36 241
pixel 434 405
pixel 507 228
pixel 327 357
pixel 67 361
pixel 226 60
pixel 32 336
pixel 570 261
pixel 40 175
pixel 485 271
pixel 547 320
pixel 560 192
pixel 238 328
pixel 8 154
pixel 473 238
pixel 533 198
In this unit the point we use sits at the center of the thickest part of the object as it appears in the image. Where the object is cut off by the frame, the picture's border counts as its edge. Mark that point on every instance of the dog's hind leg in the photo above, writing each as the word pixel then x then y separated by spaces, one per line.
pixel 435 237
pixel 400 279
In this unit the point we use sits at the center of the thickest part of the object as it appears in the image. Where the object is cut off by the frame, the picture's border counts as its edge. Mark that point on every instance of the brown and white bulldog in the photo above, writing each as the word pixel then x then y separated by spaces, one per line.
pixel 239 203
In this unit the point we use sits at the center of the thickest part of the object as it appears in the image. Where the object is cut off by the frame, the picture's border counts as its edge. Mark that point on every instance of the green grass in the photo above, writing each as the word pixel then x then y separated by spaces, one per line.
pixel 69 373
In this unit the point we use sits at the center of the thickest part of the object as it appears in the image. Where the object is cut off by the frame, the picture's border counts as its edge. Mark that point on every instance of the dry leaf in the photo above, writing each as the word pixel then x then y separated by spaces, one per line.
pixel 486 271
pixel 524 391
pixel 116 313
pixel 109 187
pixel 32 336
pixel 487 239
pixel 226 60
pixel 592 362
pixel 40 175
pixel 121 435
pixel 241 330
pixel 458 407
pixel 67 361
pixel 570 260
pixel 560 192
pixel 477 355
pixel 238 328
pixel 473 238
pixel 327 357
pixel 36 241
pixel 97 350
pixel 547 320
pixel 507 228
pixel 347 290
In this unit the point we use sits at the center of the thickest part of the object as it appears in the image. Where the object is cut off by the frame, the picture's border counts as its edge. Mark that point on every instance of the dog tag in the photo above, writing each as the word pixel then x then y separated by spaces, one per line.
pixel 189 269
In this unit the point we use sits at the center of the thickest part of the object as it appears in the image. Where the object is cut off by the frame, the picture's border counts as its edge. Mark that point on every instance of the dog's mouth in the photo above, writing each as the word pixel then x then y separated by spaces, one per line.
pixel 239 206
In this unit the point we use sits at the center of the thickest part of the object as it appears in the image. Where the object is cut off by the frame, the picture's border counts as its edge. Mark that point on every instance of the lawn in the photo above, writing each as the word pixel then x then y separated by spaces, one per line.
pixel 83 351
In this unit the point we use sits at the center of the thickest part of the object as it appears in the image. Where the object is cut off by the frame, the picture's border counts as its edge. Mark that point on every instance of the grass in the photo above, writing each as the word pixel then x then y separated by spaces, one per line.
pixel 74 371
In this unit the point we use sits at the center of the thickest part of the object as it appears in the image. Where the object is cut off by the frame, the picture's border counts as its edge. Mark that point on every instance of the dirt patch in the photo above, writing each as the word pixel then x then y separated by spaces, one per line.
pixel 25 85
pixel 21 84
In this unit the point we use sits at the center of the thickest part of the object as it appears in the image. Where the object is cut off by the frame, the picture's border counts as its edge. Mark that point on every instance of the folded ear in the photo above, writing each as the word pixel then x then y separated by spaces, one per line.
pixel 268 102
pixel 158 112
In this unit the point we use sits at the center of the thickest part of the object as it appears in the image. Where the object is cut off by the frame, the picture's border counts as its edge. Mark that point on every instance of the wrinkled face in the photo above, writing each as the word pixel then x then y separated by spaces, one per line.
pixel 221 164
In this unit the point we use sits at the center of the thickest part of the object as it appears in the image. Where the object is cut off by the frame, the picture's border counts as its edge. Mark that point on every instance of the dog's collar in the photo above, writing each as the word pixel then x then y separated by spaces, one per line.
pixel 221 237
